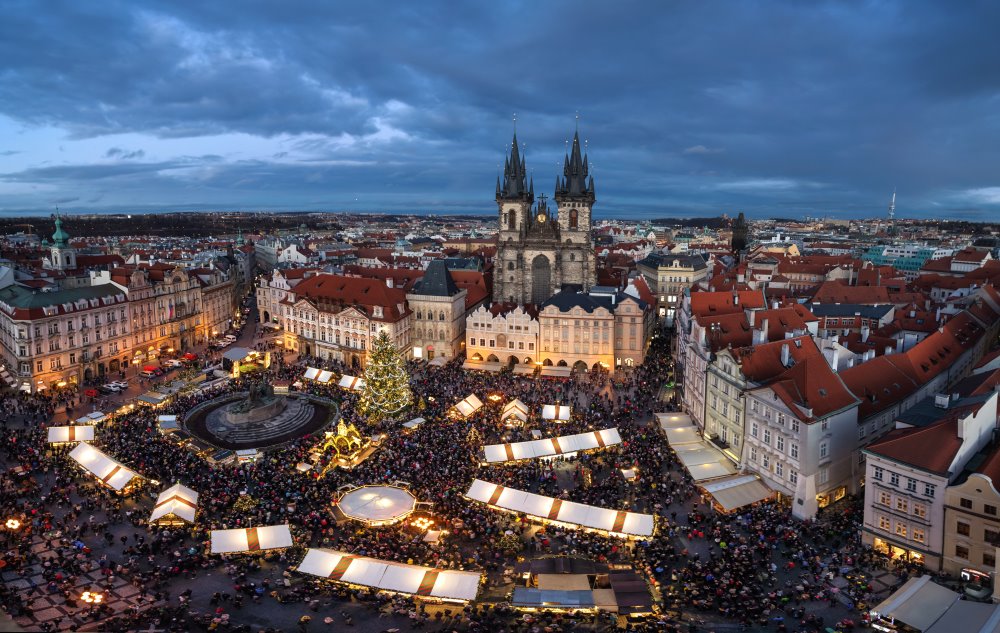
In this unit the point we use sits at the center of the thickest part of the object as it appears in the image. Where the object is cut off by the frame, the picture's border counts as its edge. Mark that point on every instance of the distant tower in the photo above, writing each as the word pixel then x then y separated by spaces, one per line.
pixel 892 214
pixel 739 241
pixel 63 256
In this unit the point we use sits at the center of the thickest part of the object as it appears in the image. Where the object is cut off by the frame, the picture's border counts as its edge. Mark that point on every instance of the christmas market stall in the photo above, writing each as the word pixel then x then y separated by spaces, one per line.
pixel 514 412
pixel 411 580
pixel 556 413
pixel 177 505
pixel 106 470
pixel 70 434
pixel 377 505
pixel 351 383
pixel 566 445
pixel 567 513
pixel 255 539
pixel 468 406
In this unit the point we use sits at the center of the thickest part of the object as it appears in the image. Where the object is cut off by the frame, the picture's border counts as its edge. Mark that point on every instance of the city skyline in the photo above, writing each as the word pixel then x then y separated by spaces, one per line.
pixel 777 110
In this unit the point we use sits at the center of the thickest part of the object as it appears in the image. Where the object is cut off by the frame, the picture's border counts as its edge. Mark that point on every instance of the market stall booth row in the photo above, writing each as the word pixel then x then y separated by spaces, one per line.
pixel 107 471
pixel 70 434
pixel 249 540
pixel 177 505
pixel 551 447
pixel 468 406
pixel 412 580
pixel 569 513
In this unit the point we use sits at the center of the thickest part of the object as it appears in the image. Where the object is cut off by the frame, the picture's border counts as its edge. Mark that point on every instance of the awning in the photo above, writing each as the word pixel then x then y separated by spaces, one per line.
pixel 703 461
pixel 108 471
pixel 673 420
pixel 413 580
pixel 438 361
pixel 96 416
pixel 482 365
pixel 250 539
pixel 570 513
pixel 919 603
pixel 66 434
pixel 736 492
pixel 524 370
pixel 152 397
pixel 496 453
pixel 556 372
pixel 177 501
pixel 190 356
pixel 311 373
pixel 552 598
pixel 236 354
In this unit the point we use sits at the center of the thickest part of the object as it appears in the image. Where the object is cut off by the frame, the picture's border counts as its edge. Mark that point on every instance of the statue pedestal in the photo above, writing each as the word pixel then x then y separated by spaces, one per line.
pixel 235 413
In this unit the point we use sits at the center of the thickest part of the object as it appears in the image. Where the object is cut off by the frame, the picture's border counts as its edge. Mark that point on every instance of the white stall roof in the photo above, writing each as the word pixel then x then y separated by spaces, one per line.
pixel 551 446
pixel 733 493
pixel 524 370
pixel 351 382
pixel 177 500
pixel 703 461
pixel 559 413
pixel 324 376
pixel 311 373
pixel 414 423
pixel 482 365
pixel 469 406
pixel 250 539
pixel 96 416
pixel 83 420
pixel 408 579
pixel 514 409
pixel 568 512
pixel 919 603
pixel 63 434
pixel 556 372
pixel 377 504
pixel 100 465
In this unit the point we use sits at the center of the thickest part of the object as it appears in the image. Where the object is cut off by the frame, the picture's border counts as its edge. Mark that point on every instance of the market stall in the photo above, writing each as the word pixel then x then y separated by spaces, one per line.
pixel 109 472
pixel 551 447
pixel 70 434
pixel 556 413
pixel 468 406
pixel 377 505
pixel 413 424
pixel 568 513
pixel 514 410
pixel 177 505
pixel 413 580
pixel 351 383
pixel 243 540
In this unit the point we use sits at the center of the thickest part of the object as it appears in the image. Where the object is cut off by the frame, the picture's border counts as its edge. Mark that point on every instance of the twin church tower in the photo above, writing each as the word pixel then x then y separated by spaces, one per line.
pixel 539 252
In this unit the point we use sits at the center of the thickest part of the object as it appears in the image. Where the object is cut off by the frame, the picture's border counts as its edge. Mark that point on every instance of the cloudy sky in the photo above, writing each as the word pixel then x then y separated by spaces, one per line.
pixel 688 108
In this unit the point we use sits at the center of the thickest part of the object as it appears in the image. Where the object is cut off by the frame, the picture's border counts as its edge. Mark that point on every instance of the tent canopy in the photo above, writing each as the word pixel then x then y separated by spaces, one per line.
pixel 469 406
pixel 414 423
pixel 250 539
pixel 65 434
pixel 482 365
pixel 514 409
pixel 377 504
pixel 176 501
pixel 351 382
pixel 550 447
pixel 96 416
pixel 558 413
pixel 100 465
pixel 236 354
pixel 524 370
pixel 630 524
pixel 390 576
pixel 918 603
pixel 311 373
pixel 556 371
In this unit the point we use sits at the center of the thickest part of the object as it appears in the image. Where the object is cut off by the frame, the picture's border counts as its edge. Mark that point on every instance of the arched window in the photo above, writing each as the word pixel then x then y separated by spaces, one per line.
pixel 420 315
pixel 441 317
pixel 574 218
pixel 510 265
pixel 572 257
pixel 511 221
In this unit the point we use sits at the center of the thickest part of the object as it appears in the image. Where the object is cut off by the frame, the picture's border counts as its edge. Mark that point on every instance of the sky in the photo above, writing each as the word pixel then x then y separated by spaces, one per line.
pixel 687 108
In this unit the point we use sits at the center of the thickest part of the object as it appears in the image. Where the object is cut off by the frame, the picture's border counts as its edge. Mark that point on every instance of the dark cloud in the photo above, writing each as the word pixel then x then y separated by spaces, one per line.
pixel 780 107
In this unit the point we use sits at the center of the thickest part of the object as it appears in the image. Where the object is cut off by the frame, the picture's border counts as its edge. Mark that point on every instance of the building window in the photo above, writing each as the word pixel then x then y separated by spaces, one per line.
pixel 961 551
pixel 767 436
pixel 918 535
pixel 753 453
pixel 894 479
pixel 824 449
pixel 920 510
pixel 793 450
pixel 823 476
pixel 989 559
pixel 901 504
pixel 883 523
pixel 988 509
pixel 795 425
pixel 901 529
pixel 754 428
pixel 793 477
pixel 965 503
pixel 779 469
pixel 962 529
pixel 877 473
pixel 929 490
pixel 911 484
pixel 991 536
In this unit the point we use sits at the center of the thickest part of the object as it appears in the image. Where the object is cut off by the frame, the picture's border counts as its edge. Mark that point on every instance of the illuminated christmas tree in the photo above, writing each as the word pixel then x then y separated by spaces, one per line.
pixel 387 383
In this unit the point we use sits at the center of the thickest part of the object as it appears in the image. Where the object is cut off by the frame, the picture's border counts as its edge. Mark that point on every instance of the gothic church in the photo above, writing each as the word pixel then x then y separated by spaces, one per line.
pixel 540 252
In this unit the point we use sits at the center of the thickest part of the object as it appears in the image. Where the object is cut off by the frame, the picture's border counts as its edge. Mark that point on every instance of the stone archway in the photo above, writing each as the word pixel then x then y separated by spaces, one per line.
pixel 267 316
pixel 493 359
pixel 580 367
pixel 547 362
pixel 561 363
pixel 541 279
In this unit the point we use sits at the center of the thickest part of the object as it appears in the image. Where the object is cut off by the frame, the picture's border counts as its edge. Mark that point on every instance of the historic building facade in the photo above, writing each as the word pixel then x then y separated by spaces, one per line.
pixel 538 252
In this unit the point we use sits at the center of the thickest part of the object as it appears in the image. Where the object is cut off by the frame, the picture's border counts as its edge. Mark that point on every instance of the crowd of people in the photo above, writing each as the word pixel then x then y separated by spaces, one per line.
pixel 756 566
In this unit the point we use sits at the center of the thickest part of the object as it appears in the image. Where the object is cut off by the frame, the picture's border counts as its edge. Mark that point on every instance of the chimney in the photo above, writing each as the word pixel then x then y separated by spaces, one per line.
pixel 750 317
pixel 865 331
pixel 913 313
pixel 736 298
pixel 889 349
pixel 389 282
pixel 836 358
pixel 785 351
pixel 763 331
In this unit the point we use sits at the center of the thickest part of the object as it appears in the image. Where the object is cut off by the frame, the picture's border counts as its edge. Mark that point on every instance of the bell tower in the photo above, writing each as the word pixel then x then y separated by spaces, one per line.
pixel 62 255
pixel 575 199
pixel 515 197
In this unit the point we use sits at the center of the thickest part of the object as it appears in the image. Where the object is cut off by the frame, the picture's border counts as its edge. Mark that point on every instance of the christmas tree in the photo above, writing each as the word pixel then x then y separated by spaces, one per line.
pixel 387 384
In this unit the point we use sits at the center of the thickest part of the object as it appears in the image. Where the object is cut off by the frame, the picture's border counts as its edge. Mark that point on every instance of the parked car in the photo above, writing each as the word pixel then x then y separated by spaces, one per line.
pixel 121 384
pixel 172 363
pixel 229 337
pixel 110 388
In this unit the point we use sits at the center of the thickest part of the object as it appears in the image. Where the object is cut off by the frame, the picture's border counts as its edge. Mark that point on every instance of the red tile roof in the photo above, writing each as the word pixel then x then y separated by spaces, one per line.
pixel 812 391
pixel 716 303
pixel 931 448
pixel 836 292
pixel 337 292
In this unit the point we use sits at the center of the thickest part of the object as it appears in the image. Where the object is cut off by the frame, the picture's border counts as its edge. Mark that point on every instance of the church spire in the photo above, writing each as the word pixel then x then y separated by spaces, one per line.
pixel 515 182
pixel 577 182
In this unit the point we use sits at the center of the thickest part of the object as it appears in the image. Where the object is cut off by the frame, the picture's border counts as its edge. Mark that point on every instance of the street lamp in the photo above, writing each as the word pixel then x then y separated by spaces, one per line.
pixel 92 597
pixel 13 524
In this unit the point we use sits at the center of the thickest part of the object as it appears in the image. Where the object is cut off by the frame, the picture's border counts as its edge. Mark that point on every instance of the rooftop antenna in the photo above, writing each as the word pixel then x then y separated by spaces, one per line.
pixel 892 213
